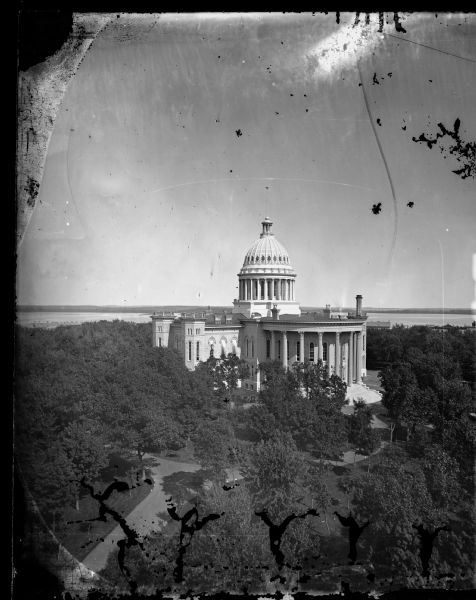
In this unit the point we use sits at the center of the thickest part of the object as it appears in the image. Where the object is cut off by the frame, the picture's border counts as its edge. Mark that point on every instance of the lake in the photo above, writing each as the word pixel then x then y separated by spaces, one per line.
pixel 53 319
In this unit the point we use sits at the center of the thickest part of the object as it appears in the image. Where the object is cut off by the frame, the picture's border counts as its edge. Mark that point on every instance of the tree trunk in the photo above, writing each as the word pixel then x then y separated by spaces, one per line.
pixel 327 523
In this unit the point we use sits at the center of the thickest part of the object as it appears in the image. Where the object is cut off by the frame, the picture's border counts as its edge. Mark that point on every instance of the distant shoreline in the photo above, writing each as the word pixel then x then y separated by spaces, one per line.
pixel 191 308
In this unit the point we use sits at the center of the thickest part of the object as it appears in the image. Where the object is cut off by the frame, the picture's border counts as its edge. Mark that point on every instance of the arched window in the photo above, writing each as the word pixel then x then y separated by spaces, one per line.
pixel 311 351
pixel 212 351
pixel 324 351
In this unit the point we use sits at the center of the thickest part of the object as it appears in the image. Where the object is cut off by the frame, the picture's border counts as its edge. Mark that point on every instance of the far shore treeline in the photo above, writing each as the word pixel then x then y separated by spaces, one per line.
pixel 190 308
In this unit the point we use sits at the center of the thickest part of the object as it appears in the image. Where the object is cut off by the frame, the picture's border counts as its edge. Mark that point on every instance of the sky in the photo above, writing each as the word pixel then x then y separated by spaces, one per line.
pixel 179 134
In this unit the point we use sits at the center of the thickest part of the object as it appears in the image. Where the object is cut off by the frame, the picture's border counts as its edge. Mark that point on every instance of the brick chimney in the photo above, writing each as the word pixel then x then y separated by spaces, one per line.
pixel 358 305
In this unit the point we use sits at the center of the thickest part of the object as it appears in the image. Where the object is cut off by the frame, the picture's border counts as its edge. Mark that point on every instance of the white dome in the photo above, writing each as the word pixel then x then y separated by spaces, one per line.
pixel 266 254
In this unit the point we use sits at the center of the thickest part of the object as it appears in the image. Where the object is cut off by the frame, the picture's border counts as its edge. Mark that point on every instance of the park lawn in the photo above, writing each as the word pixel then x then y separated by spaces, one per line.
pixel 80 534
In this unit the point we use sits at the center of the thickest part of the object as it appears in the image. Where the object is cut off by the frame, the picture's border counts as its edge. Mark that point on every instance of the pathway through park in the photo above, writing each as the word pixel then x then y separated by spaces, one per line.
pixel 143 519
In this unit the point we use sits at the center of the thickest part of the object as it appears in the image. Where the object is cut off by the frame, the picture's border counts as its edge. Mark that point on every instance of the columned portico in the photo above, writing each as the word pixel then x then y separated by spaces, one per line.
pixel 319 346
pixel 337 355
pixel 285 350
pixel 350 361
pixel 359 357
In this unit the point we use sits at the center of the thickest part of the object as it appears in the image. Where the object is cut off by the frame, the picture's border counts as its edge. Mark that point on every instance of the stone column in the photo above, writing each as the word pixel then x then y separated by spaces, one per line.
pixel 329 371
pixel 338 369
pixel 301 346
pixel 285 350
pixel 319 346
pixel 359 357
pixel 350 361
pixel 272 346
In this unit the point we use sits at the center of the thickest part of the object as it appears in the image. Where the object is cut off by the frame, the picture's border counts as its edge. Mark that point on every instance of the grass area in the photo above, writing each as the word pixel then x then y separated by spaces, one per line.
pixel 81 533
pixel 185 454
pixel 183 485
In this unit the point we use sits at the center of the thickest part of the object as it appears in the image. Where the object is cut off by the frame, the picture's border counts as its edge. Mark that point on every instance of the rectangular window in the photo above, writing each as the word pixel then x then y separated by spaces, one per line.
pixel 197 331
pixel 252 347
pixel 311 352
pixel 279 349
pixel 324 351
pixel 198 350
pixel 190 351
pixel 298 350
pixel 268 348
pixel 160 342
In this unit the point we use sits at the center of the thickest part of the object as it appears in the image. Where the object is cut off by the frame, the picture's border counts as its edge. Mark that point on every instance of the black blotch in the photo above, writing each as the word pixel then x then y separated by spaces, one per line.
pixel 410 204
pixel 398 25
pixel 376 208
pixel 427 538
pixel 41 33
pixel 231 170
pixel 291 94
pixel 187 529
pixel 379 122
pixel 355 530
pixel 375 80
pixel 131 535
pixel 238 132
pixel 276 532
pixel 464 152
pixel 389 74
pixel 337 18
pixel 227 488
pixel 276 113
pixel 430 80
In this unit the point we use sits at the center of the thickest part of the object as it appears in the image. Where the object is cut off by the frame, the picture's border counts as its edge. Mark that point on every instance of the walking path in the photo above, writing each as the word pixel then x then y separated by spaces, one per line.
pixel 143 519
pixel 359 391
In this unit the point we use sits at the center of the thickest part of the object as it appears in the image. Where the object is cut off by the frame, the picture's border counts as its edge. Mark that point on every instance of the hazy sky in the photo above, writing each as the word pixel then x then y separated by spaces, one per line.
pixel 149 196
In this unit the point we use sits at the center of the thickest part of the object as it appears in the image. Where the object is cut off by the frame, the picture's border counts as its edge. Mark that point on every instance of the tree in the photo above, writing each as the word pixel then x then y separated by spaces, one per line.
pixel 361 434
pixel 276 471
pixel 305 402
pixel 225 373
pixel 215 446
pixel 398 494
pixel 83 443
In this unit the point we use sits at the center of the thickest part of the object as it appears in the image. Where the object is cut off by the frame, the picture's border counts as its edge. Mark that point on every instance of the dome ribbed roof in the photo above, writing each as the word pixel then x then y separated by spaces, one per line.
pixel 267 252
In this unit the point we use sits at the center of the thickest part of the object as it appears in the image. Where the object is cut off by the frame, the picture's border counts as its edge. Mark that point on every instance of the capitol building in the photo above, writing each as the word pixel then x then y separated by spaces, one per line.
pixel 266 323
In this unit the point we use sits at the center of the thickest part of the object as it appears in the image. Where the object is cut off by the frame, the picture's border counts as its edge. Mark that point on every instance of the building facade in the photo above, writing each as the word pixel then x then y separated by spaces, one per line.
pixel 266 323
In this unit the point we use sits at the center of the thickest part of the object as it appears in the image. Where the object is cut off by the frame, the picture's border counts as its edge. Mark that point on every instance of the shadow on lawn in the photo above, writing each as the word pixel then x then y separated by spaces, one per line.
pixel 183 485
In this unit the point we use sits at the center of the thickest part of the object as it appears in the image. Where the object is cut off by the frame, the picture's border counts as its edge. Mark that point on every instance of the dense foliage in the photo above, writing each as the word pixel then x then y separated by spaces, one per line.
pixel 85 392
